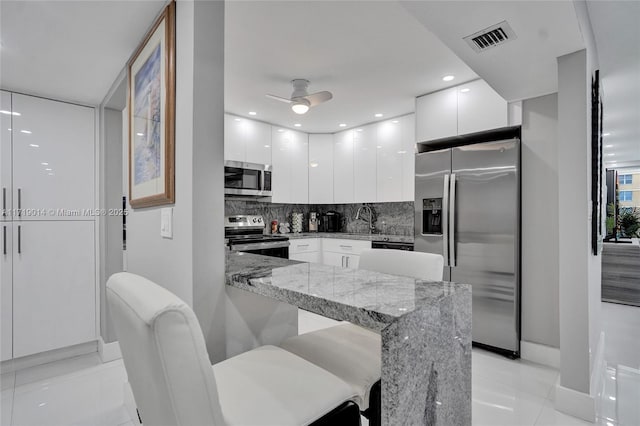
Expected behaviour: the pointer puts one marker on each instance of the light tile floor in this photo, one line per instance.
(83, 391)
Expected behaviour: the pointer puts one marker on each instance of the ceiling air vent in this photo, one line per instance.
(492, 36)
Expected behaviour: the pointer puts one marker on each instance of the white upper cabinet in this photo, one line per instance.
(320, 169)
(257, 142)
(480, 108)
(364, 164)
(343, 167)
(390, 153)
(234, 146)
(290, 175)
(5, 154)
(467, 108)
(53, 157)
(436, 115)
(246, 140)
(300, 168)
(408, 126)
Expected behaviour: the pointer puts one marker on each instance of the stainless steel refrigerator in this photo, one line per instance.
(468, 209)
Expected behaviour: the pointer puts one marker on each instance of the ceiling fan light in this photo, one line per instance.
(300, 106)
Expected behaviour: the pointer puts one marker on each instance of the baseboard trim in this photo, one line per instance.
(109, 351)
(16, 364)
(540, 354)
(574, 403)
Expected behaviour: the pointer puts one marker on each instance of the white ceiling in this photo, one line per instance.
(616, 26)
(373, 56)
(70, 50)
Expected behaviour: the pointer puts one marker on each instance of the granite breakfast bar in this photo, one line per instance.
(425, 328)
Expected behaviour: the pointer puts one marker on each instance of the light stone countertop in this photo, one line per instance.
(425, 328)
(348, 236)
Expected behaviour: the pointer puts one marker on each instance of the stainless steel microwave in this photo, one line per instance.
(247, 179)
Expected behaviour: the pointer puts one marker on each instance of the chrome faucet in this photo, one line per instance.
(369, 219)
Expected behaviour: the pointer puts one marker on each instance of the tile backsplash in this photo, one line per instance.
(390, 218)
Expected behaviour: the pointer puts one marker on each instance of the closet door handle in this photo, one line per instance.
(347, 261)
(4, 202)
(19, 239)
(19, 202)
(342, 262)
(4, 240)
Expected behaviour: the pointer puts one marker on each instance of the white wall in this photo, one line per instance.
(540, 221)
(191, 265)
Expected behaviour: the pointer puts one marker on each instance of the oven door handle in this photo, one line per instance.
(259, 246)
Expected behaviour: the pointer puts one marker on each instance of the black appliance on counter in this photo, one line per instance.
(393, 245)
(246, 233)
(330, 221)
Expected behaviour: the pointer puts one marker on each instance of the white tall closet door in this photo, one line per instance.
(6, 289)
(282, 142)
(257, 142)
(409, 157)
(53, 157)
(320, 169)
(300, 168)
(343, 167)
(234, 145)
(5, 155)
(54, 297)
(390, 154)
(364, 165)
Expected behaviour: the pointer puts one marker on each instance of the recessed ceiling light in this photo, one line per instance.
(379, 146)
(342, 125)
(139, 134)
(313, 164)
(378, 115)
(28, 132)
(297, 125)
(465, 90)
(252, 113)
(448, 78)
(45, 164)
(33, 145)
(606, 134)
(395, 121)
(267, 146)
(281, 130)
(608, 146)
(613, 398)
(48, 169)
(402, 152)
(237, 119)
(358, 130)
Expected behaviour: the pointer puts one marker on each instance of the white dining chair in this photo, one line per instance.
(174, 383)
(352, 352)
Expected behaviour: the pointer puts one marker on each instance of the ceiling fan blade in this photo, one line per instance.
(318, 98)
(278, 98)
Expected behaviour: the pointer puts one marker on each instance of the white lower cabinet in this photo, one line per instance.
(305, 250)
(54, 300)
(339, 252)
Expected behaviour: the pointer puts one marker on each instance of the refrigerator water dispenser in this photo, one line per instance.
(432, 216)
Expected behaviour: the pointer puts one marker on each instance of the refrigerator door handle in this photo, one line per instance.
(452, 220)
(445, 221)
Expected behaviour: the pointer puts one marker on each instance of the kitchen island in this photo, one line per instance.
(425, 328)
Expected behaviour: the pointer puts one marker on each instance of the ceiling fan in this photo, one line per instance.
(300, 100)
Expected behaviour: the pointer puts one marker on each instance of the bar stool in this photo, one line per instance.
(352, 352)
(174, 383)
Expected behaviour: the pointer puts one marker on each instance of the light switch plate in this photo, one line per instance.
(166, 222)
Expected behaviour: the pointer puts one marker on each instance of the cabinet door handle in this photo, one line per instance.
(4, 239)
(4, 202)
(342, 262)
(19, 239)
(347, 261)
(19, 202)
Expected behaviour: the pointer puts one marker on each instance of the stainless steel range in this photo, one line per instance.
(246, 233)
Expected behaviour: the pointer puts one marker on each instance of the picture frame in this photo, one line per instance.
(151, 110)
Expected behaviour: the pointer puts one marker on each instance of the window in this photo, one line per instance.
(625, 196)
(624, 179)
